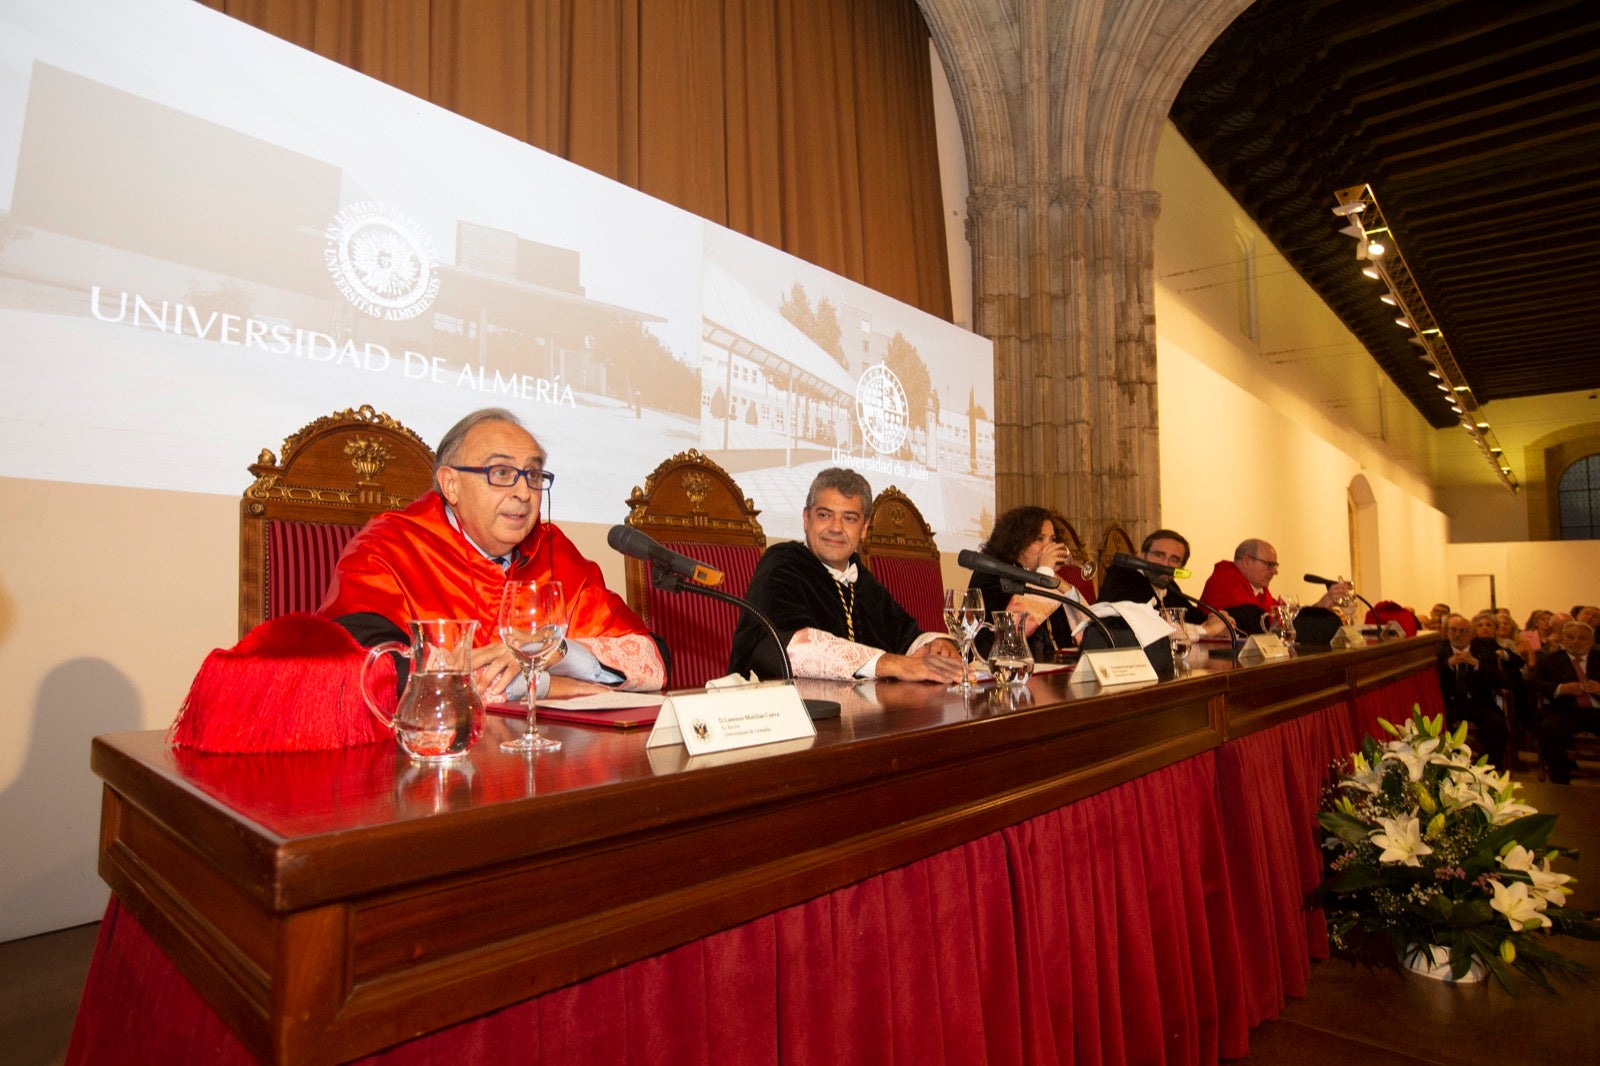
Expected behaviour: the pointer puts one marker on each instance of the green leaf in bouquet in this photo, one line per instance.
(1348, 829)
(1531, 831)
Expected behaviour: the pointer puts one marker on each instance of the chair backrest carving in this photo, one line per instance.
(899, 549)
(1116, 540)
(295, 518)
(693, 506)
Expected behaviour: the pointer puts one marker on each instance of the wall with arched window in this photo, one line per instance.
(1562, 467)
(1577, 502)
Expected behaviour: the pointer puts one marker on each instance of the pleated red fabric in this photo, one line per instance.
(917, 585)
(1394, 702)
(698, 629)
(1150, 923)
(301, 557)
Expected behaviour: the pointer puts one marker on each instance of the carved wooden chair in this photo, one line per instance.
(296, 518)
(899, 549)
(1087, 587)
(1116, 540)
(693, 506)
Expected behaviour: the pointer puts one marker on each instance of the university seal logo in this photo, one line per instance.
(881, 409)
(382, 261)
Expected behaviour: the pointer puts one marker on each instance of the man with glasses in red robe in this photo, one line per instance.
(451, 552)
(1244, 581)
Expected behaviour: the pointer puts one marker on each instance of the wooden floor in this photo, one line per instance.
(1352, 1013)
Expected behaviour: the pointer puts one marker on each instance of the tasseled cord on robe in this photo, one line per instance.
(292, 684)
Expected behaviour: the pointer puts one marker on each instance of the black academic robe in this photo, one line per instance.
(792, 587)
(1123, 584)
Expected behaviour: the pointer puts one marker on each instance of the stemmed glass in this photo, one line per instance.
(963, 617)
(533, 622)
(1085, 566)
(1288, 608)
(1179, 637)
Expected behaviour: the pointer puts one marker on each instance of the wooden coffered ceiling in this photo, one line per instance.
(1478, 127)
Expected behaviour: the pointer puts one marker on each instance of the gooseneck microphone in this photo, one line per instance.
(1019, 580)
(1329, 582)
(672, 572)
(641, 546)
(988, 564)
(1133, 562)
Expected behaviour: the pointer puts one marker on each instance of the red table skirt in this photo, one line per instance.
(1151, 923)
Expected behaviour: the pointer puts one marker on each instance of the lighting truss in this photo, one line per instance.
(1378, 249)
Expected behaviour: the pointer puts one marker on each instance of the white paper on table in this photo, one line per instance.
(1147, 625)
(610, 700)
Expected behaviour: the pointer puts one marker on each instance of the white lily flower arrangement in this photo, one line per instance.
(1430, 847)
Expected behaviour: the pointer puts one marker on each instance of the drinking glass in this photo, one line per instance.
(1346, 605)
(1287, 610)
(1085, 566)
(963, 618)
(533, 623)
(1180, 635)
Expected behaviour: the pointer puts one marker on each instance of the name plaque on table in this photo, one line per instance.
(1349, 637)
(1110, 667)
(727, 718)
(1264, 646)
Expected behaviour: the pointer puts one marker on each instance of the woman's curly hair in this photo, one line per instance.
(1016, 529)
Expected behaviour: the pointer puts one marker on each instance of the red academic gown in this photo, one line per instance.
(1228, 587)
(415, 564)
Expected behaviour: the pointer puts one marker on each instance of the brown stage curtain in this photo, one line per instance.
(807, 124)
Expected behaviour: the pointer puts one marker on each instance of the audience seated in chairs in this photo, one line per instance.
(1470, 678)
(1568, 679)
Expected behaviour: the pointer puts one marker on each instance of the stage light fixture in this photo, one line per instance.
(1362, 219)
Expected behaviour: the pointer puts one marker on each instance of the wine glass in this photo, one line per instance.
(1288, 608)
(963, 617)
(533, 623)
(1085, 565)
(1345, 603)
(1179, 636)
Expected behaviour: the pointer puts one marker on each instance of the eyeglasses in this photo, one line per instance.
(503, 477)
(1270, 564)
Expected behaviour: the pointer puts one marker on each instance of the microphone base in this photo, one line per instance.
(820, 709)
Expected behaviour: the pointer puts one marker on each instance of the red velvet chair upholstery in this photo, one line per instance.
(692, 505)
(1088, 587)
(297, 516)
(899, 549)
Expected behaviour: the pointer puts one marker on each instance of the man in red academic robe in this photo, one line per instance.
(1243, 582)
(450, 554)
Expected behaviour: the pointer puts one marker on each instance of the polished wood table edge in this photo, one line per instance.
(715, 848)
(288, 874)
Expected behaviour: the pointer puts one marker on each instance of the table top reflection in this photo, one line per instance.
(303, 819)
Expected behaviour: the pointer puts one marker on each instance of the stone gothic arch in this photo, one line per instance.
(1061, 104)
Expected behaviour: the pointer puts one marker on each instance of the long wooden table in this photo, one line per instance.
(323, 903)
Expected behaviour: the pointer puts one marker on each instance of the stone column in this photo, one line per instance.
(1063, 278)
(1061, 105)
